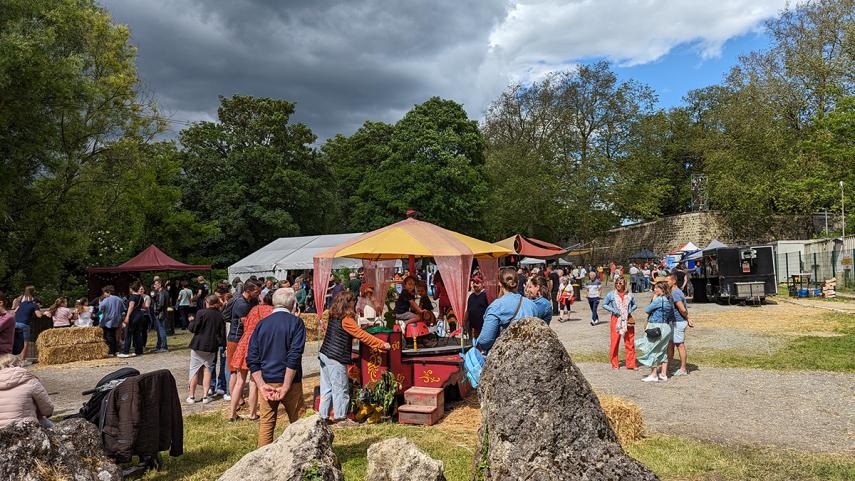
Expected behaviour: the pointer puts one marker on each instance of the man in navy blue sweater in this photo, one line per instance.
(274, 358)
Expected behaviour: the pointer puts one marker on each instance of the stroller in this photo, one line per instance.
(94, 410)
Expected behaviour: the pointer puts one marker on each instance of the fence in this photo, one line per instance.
(820, 265)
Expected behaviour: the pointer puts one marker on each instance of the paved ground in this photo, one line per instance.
(812, 411)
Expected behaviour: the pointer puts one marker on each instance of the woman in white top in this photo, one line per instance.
(84, 313)
(592, 289)
(365, 309)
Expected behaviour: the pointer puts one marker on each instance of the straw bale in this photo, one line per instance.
(624, 417)
(310, 320)
(85, 351)
(69, 336)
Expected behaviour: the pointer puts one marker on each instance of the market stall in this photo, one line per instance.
(435, 367)
(152, 259)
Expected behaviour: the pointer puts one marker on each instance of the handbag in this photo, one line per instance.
(473, 360)
(653, 332)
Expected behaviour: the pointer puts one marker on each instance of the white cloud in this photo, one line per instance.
(538, 33)
(345, 62)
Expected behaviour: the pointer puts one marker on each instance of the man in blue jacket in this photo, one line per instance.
(275, 358)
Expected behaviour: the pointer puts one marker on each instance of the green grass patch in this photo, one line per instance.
(799, 353)
(673, 457)
(212, 445)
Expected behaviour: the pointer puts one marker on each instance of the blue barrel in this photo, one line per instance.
(803, 292)
(817, 292)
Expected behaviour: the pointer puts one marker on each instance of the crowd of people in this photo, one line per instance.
(258, 365)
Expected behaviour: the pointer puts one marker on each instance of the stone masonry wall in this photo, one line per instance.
(667, 234)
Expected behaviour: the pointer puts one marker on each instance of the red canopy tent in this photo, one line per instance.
(531, 247)
(151, 259)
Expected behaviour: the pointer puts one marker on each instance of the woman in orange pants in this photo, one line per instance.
(620, 304)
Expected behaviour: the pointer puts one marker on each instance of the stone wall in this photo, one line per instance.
(667, 234)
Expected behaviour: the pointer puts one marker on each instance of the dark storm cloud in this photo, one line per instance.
(342, 62)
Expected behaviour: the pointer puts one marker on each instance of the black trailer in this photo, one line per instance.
(736, 274)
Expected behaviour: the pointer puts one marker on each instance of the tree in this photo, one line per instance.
(256, 177)
(430, 161)
(73, 122)
(581, 126)
(755, 122)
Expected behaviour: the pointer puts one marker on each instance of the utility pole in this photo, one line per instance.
(842, 211)
(826, 222)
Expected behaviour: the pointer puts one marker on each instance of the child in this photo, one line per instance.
(61, 314)
(209, 334)
(565, 298)
(425, 304)
(84, 313)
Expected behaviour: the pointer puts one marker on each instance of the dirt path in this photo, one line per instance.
(812, 411)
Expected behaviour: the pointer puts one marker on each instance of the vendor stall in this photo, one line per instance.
(152, 259)
(439, 366)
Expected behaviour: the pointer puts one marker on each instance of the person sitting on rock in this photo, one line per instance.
(22, 396)
(509, 307)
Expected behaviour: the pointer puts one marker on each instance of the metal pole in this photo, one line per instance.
(826, 222)
(842, 210)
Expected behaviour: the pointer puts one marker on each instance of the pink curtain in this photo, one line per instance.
(490, 269)
(376, 273)
(455, 275)
(320, 282)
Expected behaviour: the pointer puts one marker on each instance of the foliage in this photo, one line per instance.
(256, 176)
(74, 129)
(382, 393)
(574, 130)
(430, 161)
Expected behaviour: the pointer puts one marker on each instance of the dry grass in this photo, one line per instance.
(464, 415)
(777, 319)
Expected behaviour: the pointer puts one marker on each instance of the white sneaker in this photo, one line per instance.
(663, 378)
(207, 399)
(680, 372)
(220, 392)
(122, 354)
(651, 378)
(226, 397)
(190, 400)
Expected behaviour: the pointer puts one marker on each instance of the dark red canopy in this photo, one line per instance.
(531, 247)
(151, 259)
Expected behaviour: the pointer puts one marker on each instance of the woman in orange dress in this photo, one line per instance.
(238, 361)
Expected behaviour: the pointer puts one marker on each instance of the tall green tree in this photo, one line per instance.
(581, 126)
(74, 124)
(430, 161)
(255, 175)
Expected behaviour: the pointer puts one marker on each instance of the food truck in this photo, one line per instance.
(736, 275)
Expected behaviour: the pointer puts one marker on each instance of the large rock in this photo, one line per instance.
(540, 420)
(303, 451)
(397, 459)
(69, 450)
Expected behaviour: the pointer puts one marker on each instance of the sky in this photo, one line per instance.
(346, 62)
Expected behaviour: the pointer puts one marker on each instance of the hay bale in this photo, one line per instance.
(310, 320)
(624, 417)
(85, 351)
(69, 336)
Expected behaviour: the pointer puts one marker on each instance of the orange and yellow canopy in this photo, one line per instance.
(411, 237)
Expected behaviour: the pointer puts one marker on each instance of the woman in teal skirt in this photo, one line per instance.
(653, 352)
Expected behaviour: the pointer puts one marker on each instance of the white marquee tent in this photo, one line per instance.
(289, 254)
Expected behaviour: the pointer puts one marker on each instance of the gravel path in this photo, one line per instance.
(811, 411)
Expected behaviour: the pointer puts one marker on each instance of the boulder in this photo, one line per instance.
(303, 451)
(71, 450)
(397, 459)
(540, 420)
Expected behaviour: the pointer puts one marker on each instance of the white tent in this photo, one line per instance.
(531, 261)
(288, 254)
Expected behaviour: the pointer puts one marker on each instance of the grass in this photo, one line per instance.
(831, 352)
(212, 444)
